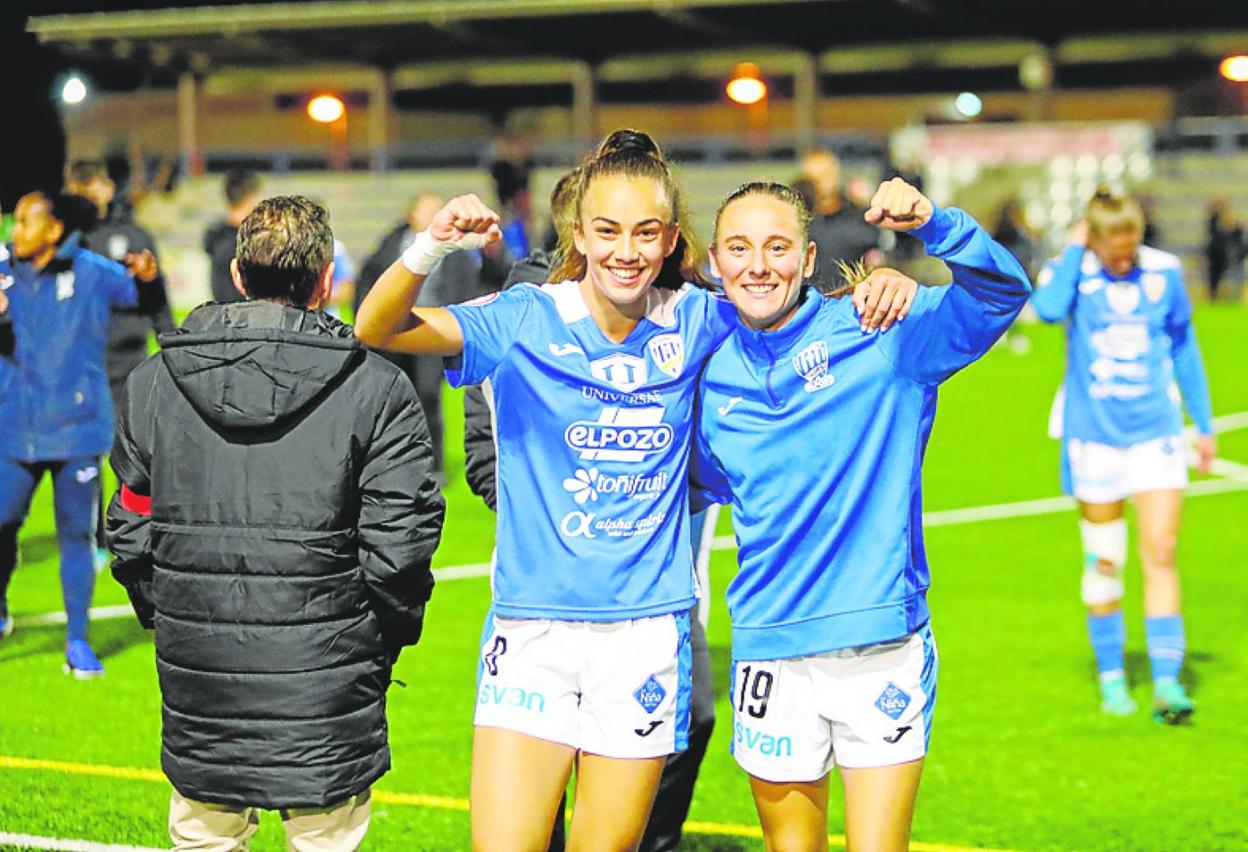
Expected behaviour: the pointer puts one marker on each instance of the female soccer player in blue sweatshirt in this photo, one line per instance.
(1130, 342)
(592, 381)
(815, 430)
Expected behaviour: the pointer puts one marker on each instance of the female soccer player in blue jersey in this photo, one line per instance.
(1129, 341)
(592, 381)
(834, 661)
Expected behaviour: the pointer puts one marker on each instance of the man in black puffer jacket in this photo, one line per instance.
(275, 523)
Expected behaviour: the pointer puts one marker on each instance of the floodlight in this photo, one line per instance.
(968, 104)
(1235, 68)
(326, 109)
(746, 87)
(74, 90)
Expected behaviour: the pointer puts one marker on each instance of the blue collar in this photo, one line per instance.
(769, 344)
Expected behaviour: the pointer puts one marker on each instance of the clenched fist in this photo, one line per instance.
(898, 206)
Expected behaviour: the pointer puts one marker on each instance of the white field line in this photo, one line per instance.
(1236, 479)
(31, 841)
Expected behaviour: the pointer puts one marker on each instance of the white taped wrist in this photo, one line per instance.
(424, 252)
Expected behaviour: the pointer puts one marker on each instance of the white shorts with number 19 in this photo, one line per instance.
(618, 688)
(793, 720)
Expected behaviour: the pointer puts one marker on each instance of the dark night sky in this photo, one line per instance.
(34, 143)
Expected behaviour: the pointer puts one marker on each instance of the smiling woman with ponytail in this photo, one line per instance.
(586, 655)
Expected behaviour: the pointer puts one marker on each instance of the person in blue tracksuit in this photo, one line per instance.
(1131, 350)
(586, 656)
(55, 299)
(834, 661)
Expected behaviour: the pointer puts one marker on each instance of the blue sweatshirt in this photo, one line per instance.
(1129, 341)
(815, 433)
(593, 447)
(54, 398)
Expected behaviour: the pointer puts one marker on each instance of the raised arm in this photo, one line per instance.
(1058, 283)
(388, 317)
(956, 324)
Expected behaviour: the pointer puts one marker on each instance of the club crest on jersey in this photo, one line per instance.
(667, 351)
(1123, 298)
(1154, 284)
(64, 285)
(650, 694)
(812, 365)
(118, 244)
(892, 702)
(622, 372)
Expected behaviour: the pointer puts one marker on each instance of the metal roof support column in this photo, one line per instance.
(188, 135)
(805, 100)
(380, 96)
(584, 104)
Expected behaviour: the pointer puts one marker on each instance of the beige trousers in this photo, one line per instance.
(222, 828)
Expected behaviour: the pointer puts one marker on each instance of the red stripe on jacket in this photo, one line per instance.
(137, 503)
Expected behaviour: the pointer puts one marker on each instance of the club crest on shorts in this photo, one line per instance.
(667, 351)
(650, 694)
(893, 701)
(812, 365)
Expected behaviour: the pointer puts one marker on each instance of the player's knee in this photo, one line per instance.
(73, 526)
(1158, 552)
(1104, 555)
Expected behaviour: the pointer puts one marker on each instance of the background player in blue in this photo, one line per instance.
(833, 658)
(592, 380)
(1129, 342)
(55, 302)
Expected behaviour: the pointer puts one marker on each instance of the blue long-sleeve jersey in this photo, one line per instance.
(593, 447)
(816, 431)
(1129, 341)
(54, 398)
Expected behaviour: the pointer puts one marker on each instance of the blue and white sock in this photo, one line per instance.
(1109, 635)
(1166, 645)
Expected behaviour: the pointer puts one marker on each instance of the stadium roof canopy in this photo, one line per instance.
(432, 43)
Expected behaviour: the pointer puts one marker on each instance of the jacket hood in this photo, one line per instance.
(256, 365)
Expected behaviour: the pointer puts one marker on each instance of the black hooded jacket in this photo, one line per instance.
(284, 556)
(115, 237)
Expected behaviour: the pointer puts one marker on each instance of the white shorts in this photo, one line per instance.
(793, 720)
(618, 688)
(1100, 473)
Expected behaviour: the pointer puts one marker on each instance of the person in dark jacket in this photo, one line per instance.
(117, 236)
(55, 302)
(1224, 250)
(457, 278)
(838, 227)
(275, 524)
(680, 772)
(242, 192)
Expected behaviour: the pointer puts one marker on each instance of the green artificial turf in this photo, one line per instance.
(1021, 758)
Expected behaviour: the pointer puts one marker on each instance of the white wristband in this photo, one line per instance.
(424, 252)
